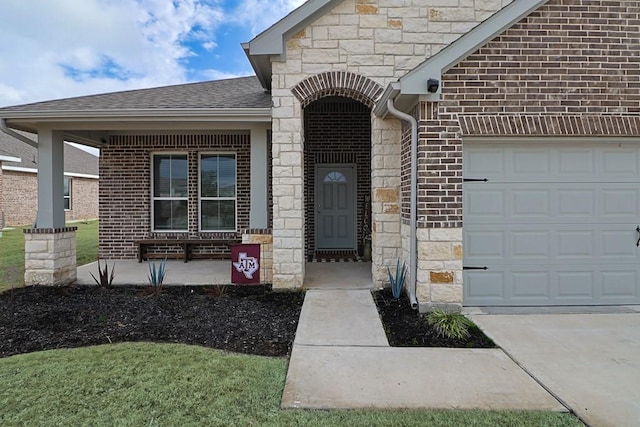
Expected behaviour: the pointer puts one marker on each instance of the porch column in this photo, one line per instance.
(50, 247)
(258, 215)
(50, 179)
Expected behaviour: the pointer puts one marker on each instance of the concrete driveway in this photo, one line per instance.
(590, 362)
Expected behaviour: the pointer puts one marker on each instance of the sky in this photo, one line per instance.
(52, 49)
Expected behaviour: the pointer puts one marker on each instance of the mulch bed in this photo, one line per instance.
(406, 328)
(244, 319)
(252, 320)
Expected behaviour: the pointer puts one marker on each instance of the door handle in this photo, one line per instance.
(638, 230)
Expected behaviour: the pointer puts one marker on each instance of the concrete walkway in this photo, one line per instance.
(589, 361)
(341, 359)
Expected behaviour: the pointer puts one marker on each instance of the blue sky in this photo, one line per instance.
(55, 49)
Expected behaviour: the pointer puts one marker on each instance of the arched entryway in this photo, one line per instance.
(337, 159)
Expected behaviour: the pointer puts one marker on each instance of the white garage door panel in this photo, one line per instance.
(554, 225)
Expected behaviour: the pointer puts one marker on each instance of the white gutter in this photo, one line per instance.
(10, 159)
(35, 171)
(16, 135)
(133, 114)
(413, 223)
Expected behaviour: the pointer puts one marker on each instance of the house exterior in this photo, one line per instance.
(493, 146)
(19, 183)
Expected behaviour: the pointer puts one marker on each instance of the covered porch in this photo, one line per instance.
(321, 275)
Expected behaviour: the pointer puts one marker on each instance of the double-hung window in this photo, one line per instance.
(67, 193)
(170, 197)
(217, 192)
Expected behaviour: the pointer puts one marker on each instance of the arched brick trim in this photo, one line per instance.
(338, 83)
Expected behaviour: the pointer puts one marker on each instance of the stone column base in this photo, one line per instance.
(50, 256)
(439, 283)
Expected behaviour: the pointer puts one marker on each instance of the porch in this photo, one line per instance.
(321, 275)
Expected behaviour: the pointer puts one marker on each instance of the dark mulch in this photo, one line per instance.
(251, 320)
(245, 319)
(406, 328)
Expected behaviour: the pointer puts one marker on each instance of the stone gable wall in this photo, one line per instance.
(377, 39)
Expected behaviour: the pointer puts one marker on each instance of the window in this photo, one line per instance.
(67, 194)
(170, 197)
(217, 192)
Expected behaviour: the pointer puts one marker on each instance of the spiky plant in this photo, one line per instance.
(156, 275)
(106, 279)
(397, 280)
(449, 325)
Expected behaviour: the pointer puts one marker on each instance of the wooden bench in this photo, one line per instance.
(186, 246)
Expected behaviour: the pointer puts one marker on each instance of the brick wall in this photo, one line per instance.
(125, 188)
(571, 68)
(573, 59)
(20, 198)
(20, 203)
(337, 130)
(84, 199)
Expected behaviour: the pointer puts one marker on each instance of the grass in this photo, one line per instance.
(12, 252)
(148, 384)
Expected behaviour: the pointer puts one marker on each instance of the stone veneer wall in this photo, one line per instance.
(265, 239)
(50, 256)
(376, 39)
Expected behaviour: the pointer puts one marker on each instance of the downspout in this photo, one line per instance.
(16, 135)
(413, 223)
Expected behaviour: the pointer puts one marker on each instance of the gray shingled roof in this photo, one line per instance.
(75, 160)
(243, 92)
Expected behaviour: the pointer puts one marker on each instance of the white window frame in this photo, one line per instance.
(201, 199)
(69, 196)
(153, 198)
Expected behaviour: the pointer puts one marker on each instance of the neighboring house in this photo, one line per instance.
(19, 182)
(493, 146)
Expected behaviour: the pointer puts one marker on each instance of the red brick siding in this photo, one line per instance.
(571, 68)
(570, 57)
(84, 199)
(125, 188)
(337, 130)
(20, 198)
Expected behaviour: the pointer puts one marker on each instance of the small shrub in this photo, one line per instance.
(449, 325)
(217, 291)
(397, 279)
(156, 276)
(106, 279)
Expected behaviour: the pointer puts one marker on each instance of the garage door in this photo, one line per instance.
(554, 224)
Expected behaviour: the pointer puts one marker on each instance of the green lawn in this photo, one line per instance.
(12, 251)
(143, 384)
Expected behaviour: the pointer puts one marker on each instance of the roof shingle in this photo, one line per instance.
(242, 92)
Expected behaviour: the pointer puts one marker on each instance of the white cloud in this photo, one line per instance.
(70, 47)
(258, 15)
(64, 48)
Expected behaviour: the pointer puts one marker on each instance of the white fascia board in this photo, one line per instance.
(35, 171)
(131, 115)
(272, 40)
(391, 92)
(10, 159)
(415, 81)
